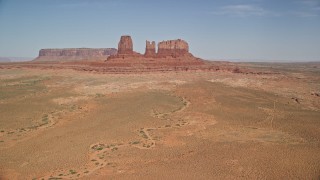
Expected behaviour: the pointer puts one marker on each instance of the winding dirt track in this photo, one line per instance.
(198, 125)
(99, 152)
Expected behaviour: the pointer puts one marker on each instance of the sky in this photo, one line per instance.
(284, 30)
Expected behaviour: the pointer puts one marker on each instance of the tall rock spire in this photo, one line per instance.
(150, 49)
(125, 45)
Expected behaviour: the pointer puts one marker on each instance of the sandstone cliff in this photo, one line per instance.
(125, 49)
(125, 45)
(150, 49)
(173, 48)
(74, 54)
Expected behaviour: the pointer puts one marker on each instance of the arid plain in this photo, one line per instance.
(62, 123)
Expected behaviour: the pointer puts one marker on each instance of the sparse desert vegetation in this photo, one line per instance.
(140, 89)
(69, 124)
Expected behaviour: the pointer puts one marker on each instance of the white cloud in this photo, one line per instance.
(88, 3)
(242, 10)
(305, 14)
(303, 8)
(311, 3)
(308, 8)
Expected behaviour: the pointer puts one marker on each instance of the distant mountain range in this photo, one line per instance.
(15, 59)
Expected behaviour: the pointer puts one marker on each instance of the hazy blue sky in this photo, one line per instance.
(215, 29)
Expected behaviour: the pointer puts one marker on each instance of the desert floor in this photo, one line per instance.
(177, 125)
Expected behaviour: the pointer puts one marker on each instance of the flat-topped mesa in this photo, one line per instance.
(75, 54)
(125, 45)
(78, 52)
(173, 48)
(150, 49)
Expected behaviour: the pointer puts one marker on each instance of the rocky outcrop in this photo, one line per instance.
(150, 49)
(125, 49)
(74, 54)
(125, 45)
(78, 52)
(173, 48)
(176, 51)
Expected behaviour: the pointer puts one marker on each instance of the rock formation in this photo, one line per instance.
(74, 54)
(169, 53)
(125, 45)
(150, 49)
(125, 49)
(173, 48)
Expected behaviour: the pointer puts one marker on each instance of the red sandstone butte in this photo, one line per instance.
(125, 45)
(172, 51)
(150, 49)
(173, 48)
(125, 49)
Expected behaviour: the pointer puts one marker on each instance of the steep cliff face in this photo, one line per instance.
(75, 54)
(125, 45)
(125, 49)
(150, 49)
(173, 48)
(175, 51)
(78, 52)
